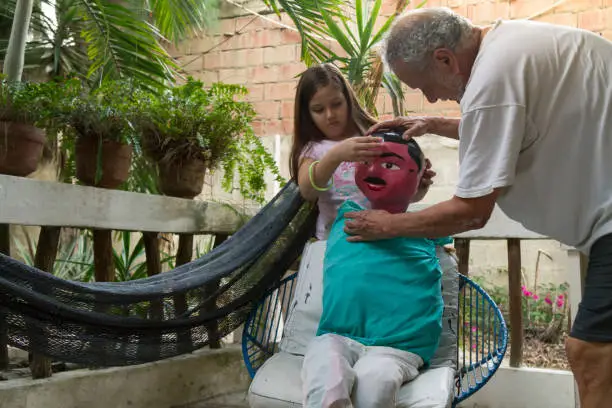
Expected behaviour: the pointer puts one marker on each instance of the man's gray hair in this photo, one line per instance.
(416, 34)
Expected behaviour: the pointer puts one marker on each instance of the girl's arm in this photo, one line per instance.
(321, 175)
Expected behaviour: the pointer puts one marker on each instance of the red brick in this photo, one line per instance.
(242, 58)
(578, 5)
(212, 60)
(381, 102)
(528, 8)
(284, 19)
(191, 63)
(252, 23)
(276, 127)
(233, 76)
(279, 91)
(260, 39)
(288, 126)
(203, 44)
(591, 20)
(488, 12)
(256, 93)
(280, 54)
(257, 126)
(262, 74)
(208, 77)
(606, 3)
(566, 19)
(413, 100)
(291, 71)
(287, 109)
(290, 36)
(267, 109)
(226, 26)
(608, 17)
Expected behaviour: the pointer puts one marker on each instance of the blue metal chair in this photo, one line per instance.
(482, 334)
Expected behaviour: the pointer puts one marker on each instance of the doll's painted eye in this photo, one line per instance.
(390, 166)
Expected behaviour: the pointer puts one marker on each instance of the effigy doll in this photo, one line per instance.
(382, 302)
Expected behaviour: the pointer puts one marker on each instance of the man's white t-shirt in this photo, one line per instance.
(537, 122)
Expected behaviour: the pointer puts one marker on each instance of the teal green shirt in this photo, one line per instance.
(383, 293)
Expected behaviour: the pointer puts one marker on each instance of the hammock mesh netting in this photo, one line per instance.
(173, 313)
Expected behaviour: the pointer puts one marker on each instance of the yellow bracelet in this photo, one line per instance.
(312, 183)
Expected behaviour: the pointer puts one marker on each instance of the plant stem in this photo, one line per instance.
(15, 54)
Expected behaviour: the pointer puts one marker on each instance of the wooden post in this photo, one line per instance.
(462, 245)
(103, 255)
(151, 244)
(5, 248)
(516, 299)
(183, 256)
(46, 252)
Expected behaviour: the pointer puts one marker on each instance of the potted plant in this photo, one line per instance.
(21, 141)
(103, 135)
(190, 129)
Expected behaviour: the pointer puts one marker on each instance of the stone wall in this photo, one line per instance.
(264, 55)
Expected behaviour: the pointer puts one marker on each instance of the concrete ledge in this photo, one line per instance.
(202, 375)
(525, 388)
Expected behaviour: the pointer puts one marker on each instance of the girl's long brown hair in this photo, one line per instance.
(304, 128)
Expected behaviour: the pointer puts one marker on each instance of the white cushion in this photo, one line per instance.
(278, 384)
(306, 305)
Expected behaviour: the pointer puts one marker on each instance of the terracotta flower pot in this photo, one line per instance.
(183, 179)
(115, 162)
(21, 147)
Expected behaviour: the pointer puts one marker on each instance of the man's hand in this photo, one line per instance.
(426, 182)
(369, 225)
(411, 126)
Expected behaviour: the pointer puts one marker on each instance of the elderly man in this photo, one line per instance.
(535, 137)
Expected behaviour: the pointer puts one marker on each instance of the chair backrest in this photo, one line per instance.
(305, 307)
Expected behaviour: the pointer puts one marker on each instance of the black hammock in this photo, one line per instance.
(173, 313)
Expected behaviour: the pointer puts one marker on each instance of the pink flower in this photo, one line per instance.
(474, 328)
(560, 303)
(536, 297)
(560, 297)
(473, 347)
(547, 300)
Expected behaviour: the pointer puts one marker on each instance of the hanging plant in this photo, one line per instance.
(191, 129)
(103, 135)
(21, 141)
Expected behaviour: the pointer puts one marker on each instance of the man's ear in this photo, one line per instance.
(447, 59)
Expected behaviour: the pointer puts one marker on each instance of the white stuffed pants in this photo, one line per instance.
(341, 373)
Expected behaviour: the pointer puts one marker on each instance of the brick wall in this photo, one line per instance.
(265, 57)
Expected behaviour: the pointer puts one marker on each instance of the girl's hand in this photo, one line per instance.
(357, 149)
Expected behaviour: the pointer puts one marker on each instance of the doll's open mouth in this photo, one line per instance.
(375, 183)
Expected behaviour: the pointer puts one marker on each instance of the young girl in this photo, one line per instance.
(327, 142)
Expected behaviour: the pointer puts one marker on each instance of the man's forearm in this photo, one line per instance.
(447, 127)
(440, 220)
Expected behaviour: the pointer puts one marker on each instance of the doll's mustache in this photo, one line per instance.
(375, 180)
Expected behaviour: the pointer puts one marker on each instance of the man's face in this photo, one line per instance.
(441, 82)
(390, 180)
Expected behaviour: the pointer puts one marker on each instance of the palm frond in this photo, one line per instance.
(120, 44)
(311, 24)
(178, 19)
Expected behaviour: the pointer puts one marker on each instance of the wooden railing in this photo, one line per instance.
(42, 203)
(53, 205)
